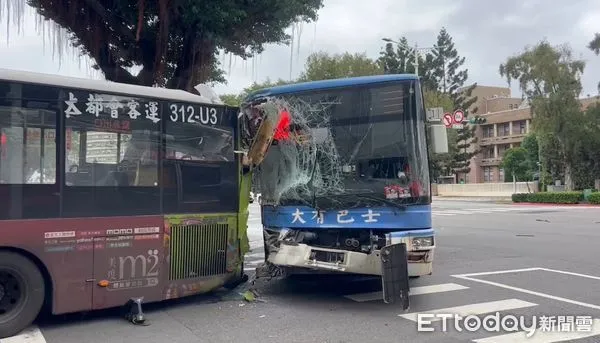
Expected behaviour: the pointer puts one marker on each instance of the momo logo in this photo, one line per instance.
(135, 267)
(112, 232)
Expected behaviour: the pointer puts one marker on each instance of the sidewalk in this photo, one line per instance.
(498, 199)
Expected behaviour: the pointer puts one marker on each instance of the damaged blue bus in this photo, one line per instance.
(342, 168)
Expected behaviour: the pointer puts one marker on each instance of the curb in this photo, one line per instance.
(556, 205)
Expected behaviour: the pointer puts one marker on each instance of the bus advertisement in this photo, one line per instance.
(345, 180)
(114, 193)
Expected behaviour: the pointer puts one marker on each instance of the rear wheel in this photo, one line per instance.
(21, 293)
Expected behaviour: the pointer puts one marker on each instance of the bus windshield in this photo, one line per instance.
(367, 145)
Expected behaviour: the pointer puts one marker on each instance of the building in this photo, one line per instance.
(508, 122)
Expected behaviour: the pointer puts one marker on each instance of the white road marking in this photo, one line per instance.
(542, 336)
(457, 212)
(523, 290)
(372, 296)
(473, 309)
(499, 272)
(571, 273)
(30, 335)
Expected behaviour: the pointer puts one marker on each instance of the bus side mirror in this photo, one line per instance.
(439, 139)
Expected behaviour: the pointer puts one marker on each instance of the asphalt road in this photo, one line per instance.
(552, 256)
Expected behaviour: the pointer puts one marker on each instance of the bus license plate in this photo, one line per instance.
(327, 256)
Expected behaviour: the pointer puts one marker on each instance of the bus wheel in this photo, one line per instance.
(22, 293)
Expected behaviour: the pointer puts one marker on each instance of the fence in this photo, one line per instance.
(501, 189)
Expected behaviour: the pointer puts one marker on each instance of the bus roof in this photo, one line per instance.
(102, 86)
(327, 84)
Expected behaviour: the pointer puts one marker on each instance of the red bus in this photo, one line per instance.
(113, 192)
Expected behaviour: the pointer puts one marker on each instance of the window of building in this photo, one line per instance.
(504, 129)
(502, 149)
(523, 127)
(112, 145)
(488, 152)
(488, 131)
(488, 174)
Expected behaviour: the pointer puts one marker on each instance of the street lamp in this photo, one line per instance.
(415, 51)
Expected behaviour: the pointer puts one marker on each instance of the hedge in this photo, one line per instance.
(552, 197)
(594, 198)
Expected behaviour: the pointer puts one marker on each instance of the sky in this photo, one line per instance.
(485, 32)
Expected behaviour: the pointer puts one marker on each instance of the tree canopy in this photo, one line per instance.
(237, 99)
(319, 66)
(173, 42)
(594, 44)
(323, 66)
(515, 164)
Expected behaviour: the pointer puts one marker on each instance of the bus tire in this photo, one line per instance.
(22, 291)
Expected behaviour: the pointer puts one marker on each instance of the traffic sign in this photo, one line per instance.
(447, 119)
(459, 116)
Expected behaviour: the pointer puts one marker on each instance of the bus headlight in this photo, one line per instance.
(422, 242)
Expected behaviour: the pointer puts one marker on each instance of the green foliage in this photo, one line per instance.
(323, 66)
(550, 78)
(594, 198)
(549, 197)
(174, 42)
(515, 164)
(319, 66)
(441, 71)
(594, 44)
(237, 99)
(530, 144)
(445, 68)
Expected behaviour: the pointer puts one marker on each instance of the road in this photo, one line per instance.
(551, 254)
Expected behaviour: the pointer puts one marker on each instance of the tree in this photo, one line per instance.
(515, 164)
(174, 42)
(323, 66)
(594, 44)
(237, 99)
(530, 144)
(319, 66)
(550, 79)
(448, 77)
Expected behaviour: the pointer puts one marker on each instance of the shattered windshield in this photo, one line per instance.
(348, 147)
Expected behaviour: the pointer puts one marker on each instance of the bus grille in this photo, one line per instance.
(198, 250)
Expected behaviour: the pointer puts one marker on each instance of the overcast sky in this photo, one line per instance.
(484, 31)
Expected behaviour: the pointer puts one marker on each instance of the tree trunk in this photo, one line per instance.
(514, 183)
(569, 183)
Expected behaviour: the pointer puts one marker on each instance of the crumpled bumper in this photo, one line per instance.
(420, 262)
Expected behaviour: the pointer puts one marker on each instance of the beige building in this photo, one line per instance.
(508, 122)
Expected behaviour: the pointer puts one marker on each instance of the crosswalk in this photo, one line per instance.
(504, 307)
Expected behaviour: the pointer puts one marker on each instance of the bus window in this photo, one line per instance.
(112, 149)
(200, 146)
(28, 151)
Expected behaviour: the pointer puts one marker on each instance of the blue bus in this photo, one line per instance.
(343, 172)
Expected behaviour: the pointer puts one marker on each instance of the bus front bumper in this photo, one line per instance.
(420, 262)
